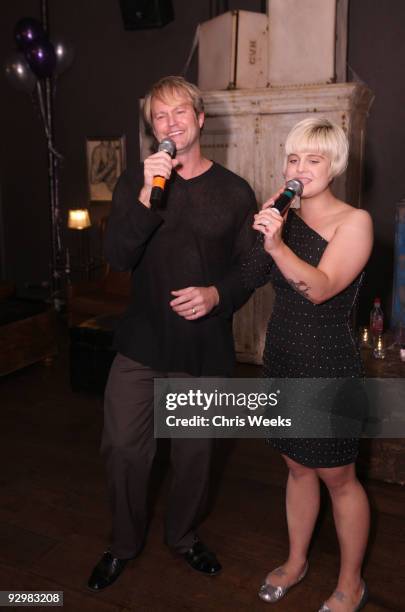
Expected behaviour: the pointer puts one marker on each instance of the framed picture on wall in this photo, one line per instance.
(105, 162)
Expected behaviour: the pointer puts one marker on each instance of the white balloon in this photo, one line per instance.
(18, 72)
(64, 55)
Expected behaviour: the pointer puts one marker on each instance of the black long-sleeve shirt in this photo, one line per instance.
(198, 239)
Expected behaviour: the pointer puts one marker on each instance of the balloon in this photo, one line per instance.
(27, 31)
(19, 74)
(41, 57)
(64, 55)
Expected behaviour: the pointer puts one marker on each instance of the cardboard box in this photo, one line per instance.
(232, 51)
(307, 42)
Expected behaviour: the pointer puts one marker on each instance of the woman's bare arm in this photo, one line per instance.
(343, 259)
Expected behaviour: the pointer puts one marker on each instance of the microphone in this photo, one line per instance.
(168, 146)
(293, 188)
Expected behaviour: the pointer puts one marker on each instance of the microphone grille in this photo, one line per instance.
(168, 146)
(296, 186)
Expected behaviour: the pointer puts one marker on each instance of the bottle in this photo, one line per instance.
(376, 319)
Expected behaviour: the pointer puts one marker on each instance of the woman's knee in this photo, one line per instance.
(338, 479)
(296, 470)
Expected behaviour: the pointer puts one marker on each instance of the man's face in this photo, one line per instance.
(176, 119)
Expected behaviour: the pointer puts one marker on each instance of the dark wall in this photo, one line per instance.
(97, 96)
(377, 57)
(113, 68)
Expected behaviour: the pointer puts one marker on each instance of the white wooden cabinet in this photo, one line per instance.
(245, 130)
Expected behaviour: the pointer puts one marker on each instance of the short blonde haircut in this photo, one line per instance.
(172, 87)
(322, 136)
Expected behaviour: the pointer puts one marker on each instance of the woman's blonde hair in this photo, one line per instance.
(172, 87)
(322, 136)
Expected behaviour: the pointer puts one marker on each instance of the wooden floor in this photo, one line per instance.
(54, 517)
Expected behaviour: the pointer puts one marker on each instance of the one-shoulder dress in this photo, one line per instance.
(306, 340)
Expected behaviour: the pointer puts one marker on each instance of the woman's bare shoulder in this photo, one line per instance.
(352, 216)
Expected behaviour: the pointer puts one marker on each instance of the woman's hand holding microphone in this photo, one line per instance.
(269, 222)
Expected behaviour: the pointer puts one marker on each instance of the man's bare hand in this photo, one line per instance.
(193, 303)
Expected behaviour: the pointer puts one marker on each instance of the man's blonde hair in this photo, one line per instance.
(322, 136)
(172, 87)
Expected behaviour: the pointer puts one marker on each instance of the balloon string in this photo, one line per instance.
(45, 123)
(58, 157)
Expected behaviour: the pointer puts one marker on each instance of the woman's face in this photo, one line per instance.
(312, 169)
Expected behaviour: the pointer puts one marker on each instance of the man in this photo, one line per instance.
(184, 259)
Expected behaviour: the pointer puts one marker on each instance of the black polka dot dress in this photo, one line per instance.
(306, 340)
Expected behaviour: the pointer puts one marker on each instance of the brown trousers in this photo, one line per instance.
(128, 446)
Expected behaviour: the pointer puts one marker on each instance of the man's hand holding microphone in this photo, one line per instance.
(157, 170)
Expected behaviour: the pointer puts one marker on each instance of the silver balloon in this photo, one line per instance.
(64, 55)
(19, 74)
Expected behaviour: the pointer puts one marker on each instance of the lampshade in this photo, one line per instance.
(79, 218)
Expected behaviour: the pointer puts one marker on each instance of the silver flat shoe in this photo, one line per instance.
(271, 594)
(360, 606)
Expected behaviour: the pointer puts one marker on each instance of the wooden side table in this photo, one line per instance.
(27, 334)
(6, 290)
(383, 458)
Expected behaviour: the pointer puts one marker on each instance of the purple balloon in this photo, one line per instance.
(19, 74)
(28, 31)
(41, 57)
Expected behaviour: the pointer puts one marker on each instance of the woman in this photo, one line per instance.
(315, 259)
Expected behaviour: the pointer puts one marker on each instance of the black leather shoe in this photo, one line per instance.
(202, 559)
(106, 571)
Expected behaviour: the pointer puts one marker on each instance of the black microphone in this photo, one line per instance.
(168, 146)
(293, 188)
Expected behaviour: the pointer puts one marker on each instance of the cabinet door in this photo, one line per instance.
(230, 141)
(236, 142)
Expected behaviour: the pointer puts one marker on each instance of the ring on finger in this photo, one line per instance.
(193, 310)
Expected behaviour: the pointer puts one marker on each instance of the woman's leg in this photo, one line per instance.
(302, 506)
(352, 518)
